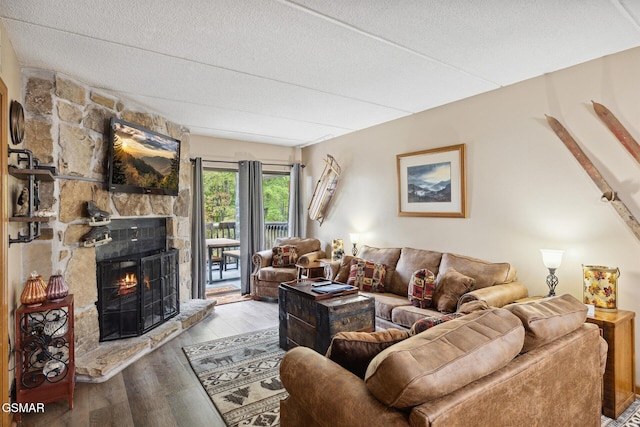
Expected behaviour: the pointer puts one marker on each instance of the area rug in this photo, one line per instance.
(241, 376)
(230, 298)
(222, 290)
(629, 418)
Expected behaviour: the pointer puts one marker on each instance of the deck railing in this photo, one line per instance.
(273, 230)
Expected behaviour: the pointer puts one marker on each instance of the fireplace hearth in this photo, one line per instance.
(138, 282)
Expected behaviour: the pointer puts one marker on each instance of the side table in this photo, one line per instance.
(619, 378)
(310, 270)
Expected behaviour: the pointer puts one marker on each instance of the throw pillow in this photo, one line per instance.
(431, 321)
(421, 287)
(366, 275)
(284, 256)
(451, 286)
(354, 350)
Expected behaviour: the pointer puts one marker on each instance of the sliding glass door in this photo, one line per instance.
(222, 214)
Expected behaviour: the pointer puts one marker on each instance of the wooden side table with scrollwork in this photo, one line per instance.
(45, 366)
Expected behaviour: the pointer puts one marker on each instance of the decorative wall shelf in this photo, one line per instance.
(33, 175)
(44, 175)
(30, 219)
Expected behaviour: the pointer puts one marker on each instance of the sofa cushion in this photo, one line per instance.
(366, 275)
(429, 322)
(546, 319)
(284, 256)
(354, 350)
(410, 261)
(271, 274)
(407, 315)
(421, 287)
(385, 303)
(451, 286)
(486, 273)
(443, 359)
(387, 256)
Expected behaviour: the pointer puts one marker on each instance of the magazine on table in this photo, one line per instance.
(332, 288)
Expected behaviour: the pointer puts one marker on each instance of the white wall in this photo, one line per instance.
(525, 190)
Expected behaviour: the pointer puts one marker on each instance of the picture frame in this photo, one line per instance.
(432, 183)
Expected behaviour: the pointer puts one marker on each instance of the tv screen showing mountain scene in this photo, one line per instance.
(142, 160)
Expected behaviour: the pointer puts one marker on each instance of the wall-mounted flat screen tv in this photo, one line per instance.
(142, 161)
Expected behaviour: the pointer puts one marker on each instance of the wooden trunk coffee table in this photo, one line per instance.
(311, 320)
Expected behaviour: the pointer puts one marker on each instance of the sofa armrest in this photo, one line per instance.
(262, 259)
(342, 400)
(497, 295)
(311, 257)
(331, 269)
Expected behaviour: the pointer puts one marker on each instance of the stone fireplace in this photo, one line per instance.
(66, 124)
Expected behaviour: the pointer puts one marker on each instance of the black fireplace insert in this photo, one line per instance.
(138, 280)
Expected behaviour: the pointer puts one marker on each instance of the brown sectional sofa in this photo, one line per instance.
(495, 283)
(531, 364)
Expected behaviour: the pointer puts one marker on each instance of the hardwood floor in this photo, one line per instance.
(160, 389)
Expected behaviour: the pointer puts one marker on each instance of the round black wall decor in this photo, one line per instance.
(16, 122)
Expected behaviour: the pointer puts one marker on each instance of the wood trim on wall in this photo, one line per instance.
(5, 417)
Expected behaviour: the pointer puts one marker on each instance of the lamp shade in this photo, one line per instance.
(551, 258)
(354, 237)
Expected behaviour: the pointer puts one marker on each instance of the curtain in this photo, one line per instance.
(296, 212)
(251, 218)
(198, 243)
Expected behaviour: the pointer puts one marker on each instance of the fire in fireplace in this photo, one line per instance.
(127, 284)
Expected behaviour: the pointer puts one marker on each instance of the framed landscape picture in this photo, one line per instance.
(432, 182)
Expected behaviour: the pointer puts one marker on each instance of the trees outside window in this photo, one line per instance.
(220, 196)
(275, 192)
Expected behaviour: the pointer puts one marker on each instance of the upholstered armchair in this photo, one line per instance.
(274, 266)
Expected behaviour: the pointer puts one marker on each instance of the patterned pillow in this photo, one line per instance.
(421, 287)
(284, 256)
(431, 321)
(366, 275)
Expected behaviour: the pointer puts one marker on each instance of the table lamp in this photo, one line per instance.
(354, 240)
(551, 259)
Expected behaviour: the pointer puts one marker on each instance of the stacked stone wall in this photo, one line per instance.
(67, 126)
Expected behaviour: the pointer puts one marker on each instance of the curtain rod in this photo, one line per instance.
(235, 163)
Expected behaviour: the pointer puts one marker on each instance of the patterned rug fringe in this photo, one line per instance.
(629, 418)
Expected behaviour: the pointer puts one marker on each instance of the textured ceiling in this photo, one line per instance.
(298, 72)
